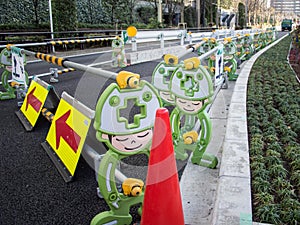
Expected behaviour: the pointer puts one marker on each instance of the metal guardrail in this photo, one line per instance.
(80, 34)
(146, 36)
(220, 34)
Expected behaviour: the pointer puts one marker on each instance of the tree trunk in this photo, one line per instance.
(35, 6)
(202, 13)
(182, 12)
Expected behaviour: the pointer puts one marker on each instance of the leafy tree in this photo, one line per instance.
(35, 4)
(145, 13)
(172, 7)
(242, 19)
(210, 13)
(189, 16)
(202, 13)
(24, 12)
(64, 15)
(226, 4)
(90, 11)
(120, 11)
(153, 4)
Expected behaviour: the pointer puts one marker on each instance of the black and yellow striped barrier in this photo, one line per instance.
(89, 40)
(47, 114)
(70, 66)
(67, 70)
(50, 58)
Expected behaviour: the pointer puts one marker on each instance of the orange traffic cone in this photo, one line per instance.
(162, 201)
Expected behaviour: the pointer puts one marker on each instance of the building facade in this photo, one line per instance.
(286, 6)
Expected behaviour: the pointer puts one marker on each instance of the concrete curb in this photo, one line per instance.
(233, 198)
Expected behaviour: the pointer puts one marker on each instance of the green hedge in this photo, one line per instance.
(273, 108)
(19, 27)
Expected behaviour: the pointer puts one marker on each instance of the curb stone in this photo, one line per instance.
(233, 196)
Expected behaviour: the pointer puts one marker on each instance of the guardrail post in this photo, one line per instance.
(218, 35)
(182, 38)
(162, 41)
(190, 38)
(232, 33)
(134, 46)
(49, 48)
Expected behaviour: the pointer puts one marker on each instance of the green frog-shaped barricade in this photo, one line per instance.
(209, 44)
(161, 78)
(240, 51)
(6, 63)
(271, 35)
(257, 42)
(248, 46)
(244, 47)
(191, 126)
(263, 38)
(124, 119)
(118, 53)
(230, 63)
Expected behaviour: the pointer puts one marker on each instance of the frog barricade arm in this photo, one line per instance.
(175, 124)
(106, 178)
(206, 128)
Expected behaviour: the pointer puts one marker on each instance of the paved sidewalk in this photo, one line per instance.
(223, 196)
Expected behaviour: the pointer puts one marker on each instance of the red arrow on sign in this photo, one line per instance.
(63, 130)
(33, 101)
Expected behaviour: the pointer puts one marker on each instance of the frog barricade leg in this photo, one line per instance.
(114, 61)
(121, 59)
(10, 89)
(199, 156)
(118, 203)
(180, 150)
(108, 217)
(249, 51)
(179, 147)
(231, 74)
(118, 59)
(197, 148)
(203, 158)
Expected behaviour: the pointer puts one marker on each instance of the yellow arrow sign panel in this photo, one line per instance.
(68, 131)
(34, 100)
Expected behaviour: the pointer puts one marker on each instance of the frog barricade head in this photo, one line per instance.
(6, 57)
(170, 59)
(229, 46)
(213, 42)
(191, 63)
(117, 43)
(269, 34)
(161, 76)
(239, 41)
(125, 112)
(262, 35)
(128, 80)
(205, 47)
(248, 38)
(209, 44)
(192, 84)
